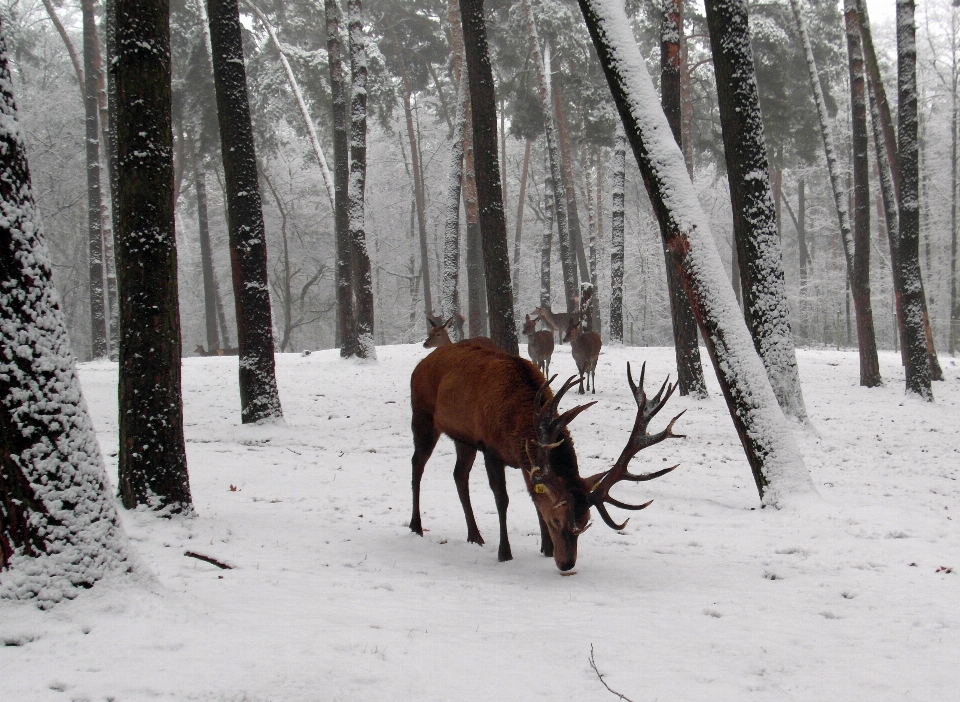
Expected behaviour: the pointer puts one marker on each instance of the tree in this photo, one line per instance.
(450, 276)
(493, 226)
(616, 239)
(259, 398)
(777, 467)
(754, 216)
(59, 531)
(152, 459)
(687, 349)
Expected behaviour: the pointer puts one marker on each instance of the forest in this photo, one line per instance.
(247, 246)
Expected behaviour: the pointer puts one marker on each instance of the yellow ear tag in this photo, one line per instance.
(539, 488)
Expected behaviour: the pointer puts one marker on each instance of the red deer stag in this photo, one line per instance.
(539, 344)
(585, 347)
(500, 405)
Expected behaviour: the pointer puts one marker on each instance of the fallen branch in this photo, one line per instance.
(223, 566)
(593, 664)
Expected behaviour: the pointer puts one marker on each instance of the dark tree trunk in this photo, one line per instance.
(754, 217)
(581, 272)
(918, 368)
(152, 459)
(687, 349)
(362, 275)
(420, 200)
(98, 320)
(493, 228)
(206, 258)
(346, 319)
(476, 288)
(766, 437)
(54, 495)
(616, 238)
(802, 236)
(858, 260)
(259, 398)
(525, 171)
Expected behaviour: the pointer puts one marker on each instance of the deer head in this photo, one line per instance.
(439, 334)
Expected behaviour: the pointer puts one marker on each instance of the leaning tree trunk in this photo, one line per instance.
(616, 237)
(259, 398)
(98, 319)
(346, 316)
(553, 152)
(766, 436)
(908, 244)
(493, 226)
(856, 248)
(152, 460)
(687, 349)
(754, 216)
(59, 532)
(362, 275)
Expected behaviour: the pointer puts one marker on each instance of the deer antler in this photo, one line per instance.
(639, 440)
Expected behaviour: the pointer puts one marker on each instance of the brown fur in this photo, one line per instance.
(485, 400)
(557, 321)
(585, 347)
(539, 345)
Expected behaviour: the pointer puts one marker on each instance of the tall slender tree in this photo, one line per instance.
(616, 237)
(493, 226)
(754, 215)
(152, 458)
(59, 531)
(259, 398)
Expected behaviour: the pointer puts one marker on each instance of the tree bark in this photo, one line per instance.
(686, 347)
(493, 229)
(616, 237)
(754, 217)
(259, 398)
(346, 316)
(766, 437)
(362, 275)
(450, 278)
(206, 257)
(419, 199)
(476, 285)
(579, 258)
(545, 239)
(518, 232)
(59, 531)
(152, 459)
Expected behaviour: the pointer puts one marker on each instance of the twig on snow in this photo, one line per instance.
(593, 664)
(212, 561)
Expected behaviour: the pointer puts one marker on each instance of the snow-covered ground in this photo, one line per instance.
(704, 596)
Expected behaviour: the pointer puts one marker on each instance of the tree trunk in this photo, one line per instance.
(493, 228)
(346, 317)
(545, 240)
(59, 531)
(553, 151)
(476, 288)
(686, 347)
(419, 199)
(754, 218)
(767, 438)
(450, 278)
(954, 114)
(362, 275)
(152, 460)
(858, 259)
(259, 398)
(616, 237)
(918, 369)
(206, 257)
(579, 257)
(98, 321)
(525, 171)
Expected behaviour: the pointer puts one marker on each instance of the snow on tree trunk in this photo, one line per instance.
(908, 243)
(617, 238)
(476, 288)
(545, 240)
(259, 398)
(754, 216)
(59, 531)
(542, 65)
(518, 232)
(362, 275)
(857, 251)
(686, 346)
(450, 278)
(766, 436)
(152, 458)
(493, 228)
(346, 317)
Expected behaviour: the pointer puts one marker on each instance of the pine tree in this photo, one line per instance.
(259, 398)
(152, 460)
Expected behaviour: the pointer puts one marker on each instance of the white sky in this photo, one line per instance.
(881, 11)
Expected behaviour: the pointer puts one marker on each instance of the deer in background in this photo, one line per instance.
(440, 336)
(499, 404)
(200, 351)
(539, 344)
(557, 321)
(585, 347)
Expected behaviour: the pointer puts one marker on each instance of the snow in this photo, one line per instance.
(704, 596)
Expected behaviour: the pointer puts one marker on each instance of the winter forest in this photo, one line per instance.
(261, 259)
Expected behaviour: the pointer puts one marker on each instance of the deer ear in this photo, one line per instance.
(448, 323)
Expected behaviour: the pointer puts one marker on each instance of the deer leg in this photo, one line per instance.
(546, 542)
(461, 475)
(425, 438)
(582, 372)
(498, 483)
